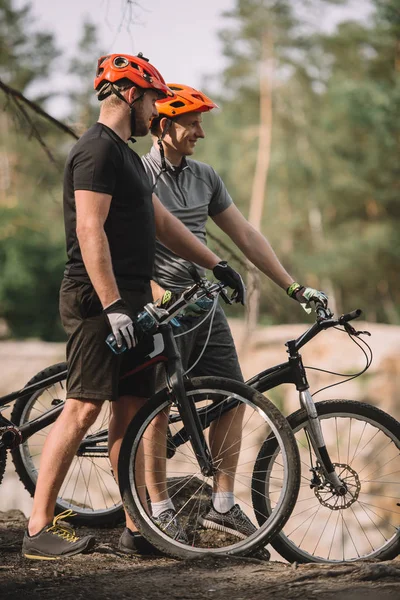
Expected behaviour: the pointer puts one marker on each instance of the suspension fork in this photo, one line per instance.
(299, 378)
(318, 442)
(186, 408)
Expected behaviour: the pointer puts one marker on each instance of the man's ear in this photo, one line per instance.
(165, 125)
(133, 93)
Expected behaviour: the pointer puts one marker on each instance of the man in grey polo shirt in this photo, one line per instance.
(193, 191)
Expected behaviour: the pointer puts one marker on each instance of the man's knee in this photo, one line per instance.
(84, 412)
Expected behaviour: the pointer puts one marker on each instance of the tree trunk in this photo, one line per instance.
(261, 172)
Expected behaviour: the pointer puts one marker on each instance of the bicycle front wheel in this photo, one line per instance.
(155, 464)
(89, 488)
(363, 443)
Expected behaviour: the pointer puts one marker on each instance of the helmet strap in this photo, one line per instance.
(116, 91)
(161, 147)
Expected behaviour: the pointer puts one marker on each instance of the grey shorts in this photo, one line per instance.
(219, 357)
(93, 369)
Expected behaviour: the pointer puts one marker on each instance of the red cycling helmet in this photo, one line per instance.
(186, 99)
(113, 67)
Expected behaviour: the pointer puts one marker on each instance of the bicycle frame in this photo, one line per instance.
(292, 371)
(96, 444)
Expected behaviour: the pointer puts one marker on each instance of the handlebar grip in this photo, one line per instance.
(354, 314)
(225, 297)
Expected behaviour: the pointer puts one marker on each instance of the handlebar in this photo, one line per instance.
(324, 321)
(152, 316)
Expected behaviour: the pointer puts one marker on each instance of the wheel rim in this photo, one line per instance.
(364, 522)
(89, 488)
(191, 491)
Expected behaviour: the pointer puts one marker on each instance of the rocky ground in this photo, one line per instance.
(108, 574)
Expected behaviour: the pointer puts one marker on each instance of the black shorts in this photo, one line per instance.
(218, 353)
(93, 369)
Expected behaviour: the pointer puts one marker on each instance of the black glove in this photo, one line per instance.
(121, 323)
(228, 276)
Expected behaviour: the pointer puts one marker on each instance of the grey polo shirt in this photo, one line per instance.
(191, 192)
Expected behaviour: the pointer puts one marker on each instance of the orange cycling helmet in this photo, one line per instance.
(113, 67)
(186, 99)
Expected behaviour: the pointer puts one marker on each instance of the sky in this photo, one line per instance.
(179, 37)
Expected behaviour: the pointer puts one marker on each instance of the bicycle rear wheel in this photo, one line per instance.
(89, 489)
(363, 443)
(221, 404)
(3, 460)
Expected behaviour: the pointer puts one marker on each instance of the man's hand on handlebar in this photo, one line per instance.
(306, 295)
(228, 276)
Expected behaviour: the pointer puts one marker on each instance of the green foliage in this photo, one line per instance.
(25, 55)
(32, 253)
(331, 209)
(85, 106)
(31, 266)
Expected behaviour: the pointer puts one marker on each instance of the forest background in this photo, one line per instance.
(330, 206)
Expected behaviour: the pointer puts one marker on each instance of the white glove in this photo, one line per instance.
(306, 295)
(121, 324)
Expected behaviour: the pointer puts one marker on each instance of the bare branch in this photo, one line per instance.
(16, 95)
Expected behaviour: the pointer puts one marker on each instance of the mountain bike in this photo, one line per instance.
(348, 506)
(192, 460)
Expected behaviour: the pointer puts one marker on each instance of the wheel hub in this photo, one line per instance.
(331, 498)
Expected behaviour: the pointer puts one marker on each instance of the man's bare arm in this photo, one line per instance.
(253, 245)
(91, 213)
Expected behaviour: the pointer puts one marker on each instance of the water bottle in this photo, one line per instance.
(111, 341)
(144, 322)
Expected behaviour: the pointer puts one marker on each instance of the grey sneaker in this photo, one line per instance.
(234, 522)
(135, 544)
(56, 541)
(168, 522)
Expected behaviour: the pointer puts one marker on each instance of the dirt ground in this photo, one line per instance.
(108, 574)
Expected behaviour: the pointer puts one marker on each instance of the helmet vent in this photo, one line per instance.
(120, 62)
(175, 87)
(177, 103)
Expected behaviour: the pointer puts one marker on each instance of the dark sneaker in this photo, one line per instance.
(234, 522)
(56, 541)
(168, 522)
(135, 544)
(261, 554)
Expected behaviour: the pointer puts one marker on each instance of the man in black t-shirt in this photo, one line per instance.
(111, 220)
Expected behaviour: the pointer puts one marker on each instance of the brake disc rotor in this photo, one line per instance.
(327, 494)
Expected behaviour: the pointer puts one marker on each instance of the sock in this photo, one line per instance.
(158, 507)
(223, 501)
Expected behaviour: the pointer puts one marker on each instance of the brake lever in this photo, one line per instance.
(225, 297)
(351, 331)
(322, 312)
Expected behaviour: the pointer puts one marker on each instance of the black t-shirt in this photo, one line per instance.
(102, 162)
